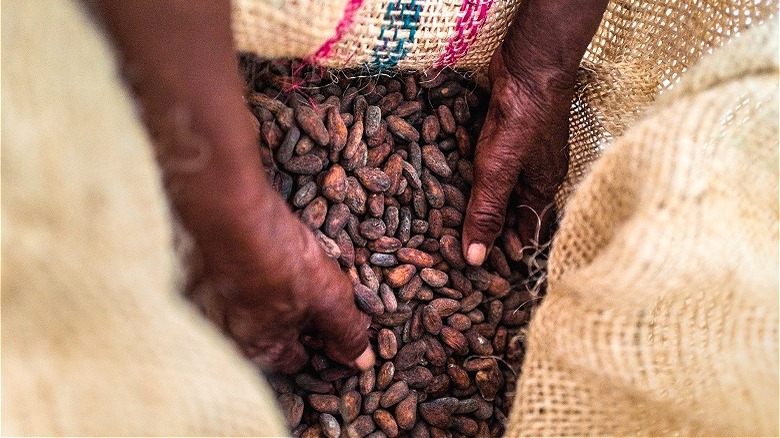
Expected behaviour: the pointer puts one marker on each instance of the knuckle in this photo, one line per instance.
(487, 221)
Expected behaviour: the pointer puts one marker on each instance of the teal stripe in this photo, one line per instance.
(401, 19)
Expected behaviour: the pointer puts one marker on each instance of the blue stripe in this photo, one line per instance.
(401, 20)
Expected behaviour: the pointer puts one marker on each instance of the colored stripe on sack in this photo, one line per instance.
(399, 26)
(343, 25)
(472, 17)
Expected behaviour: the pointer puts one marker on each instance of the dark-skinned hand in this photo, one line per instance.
(523, 142)
(264, 279)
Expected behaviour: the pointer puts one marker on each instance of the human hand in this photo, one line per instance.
(265, 281)
(263, 278)
(523, 143)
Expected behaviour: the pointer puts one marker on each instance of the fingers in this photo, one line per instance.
(496, 169)
(342, 327)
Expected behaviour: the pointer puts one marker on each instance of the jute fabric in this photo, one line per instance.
(661, 316)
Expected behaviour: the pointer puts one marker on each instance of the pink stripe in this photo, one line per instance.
(466, 31)
(343, 26)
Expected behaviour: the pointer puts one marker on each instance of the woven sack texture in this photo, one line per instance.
(662, 311)
(375, 35)
(96, 339)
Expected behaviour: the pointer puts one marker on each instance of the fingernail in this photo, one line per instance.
(365, 360)
(475, 255)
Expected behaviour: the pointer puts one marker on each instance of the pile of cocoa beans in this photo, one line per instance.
(380, 169)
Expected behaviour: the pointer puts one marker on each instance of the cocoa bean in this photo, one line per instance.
(401, 128)
(435, 161)
(406, 412)
(292, 407)
(387, 344)
(438, 412)
(304, 165)
(394, 394)
(368, 300)
(336, 220)
(454, 339)
(350, 404)
(385, 375)
(310, 122)
(373, 179)
(328, 404)
(386, 422)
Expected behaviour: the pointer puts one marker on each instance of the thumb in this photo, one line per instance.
(497, 165)
(342, 327)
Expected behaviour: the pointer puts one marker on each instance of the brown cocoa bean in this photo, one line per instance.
(367, 380)
(387, 344)
(431, 320)
(383, 260)
(489, 381)
(373, 117)
(430, 129)
(435, 353)
(406, 411)
(434, 277)
(438, 412)
(384, 244)
(459, 322)
(368, 300)
(455, 340)
(450, 249)
(394, 394)
(304, 165)
(446, 119)
(334, 184)
(385, 375)
(512, 244)
(461, 111)
(292, 407)
(417, 377)
(435, 161)
(271, 135)
(310, 122)
(350, 404)
(401, 128)
(388, 298)
(415, 257)
(354, 138)
(330, 427)
(386, 422)
(478, 344)
(323, 403)
(355, 197)
(337, 130)
(371, 401)
(362, 426)
(373, 179)
(336, 220)
(372, 228)
(305, 194)
(400, 275)
(409, 355)
(287, 146)
(314, 213)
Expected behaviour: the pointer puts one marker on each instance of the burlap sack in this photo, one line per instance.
(96, 339)
(662, 311)
(375, 35)
(662, 314)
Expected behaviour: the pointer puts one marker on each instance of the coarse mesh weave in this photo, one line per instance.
(662, 311)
